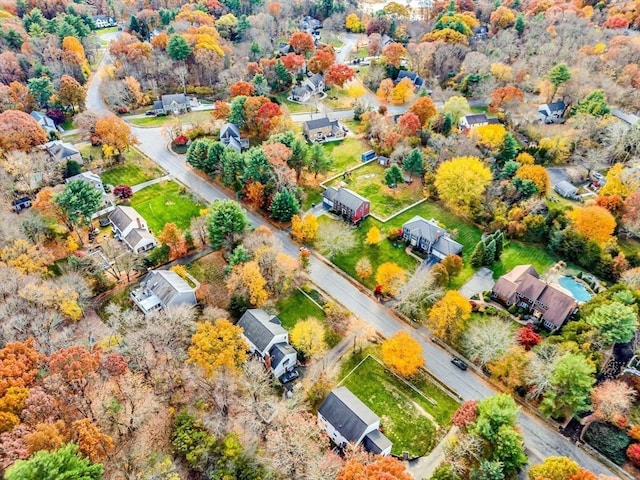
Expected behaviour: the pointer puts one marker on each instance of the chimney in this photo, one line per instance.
(139, 222)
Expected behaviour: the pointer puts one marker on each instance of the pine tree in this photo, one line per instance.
(477, 257)
(489, 253)
(447, 124)
(499, 239)
(393, 176)
(282, 74)
(508, 151)
(134, 25)
(284, 206)
(519, 25)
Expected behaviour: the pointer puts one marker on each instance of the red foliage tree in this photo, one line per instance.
(292, 62)
(503, 95)
(123, 192)
(268, 116)
(613, 203)
(528, 338)
(20, 131)
(322, 60)
(73, 364)
(241, 88)
(302, 43)
(633, 454)
(339, 74)
(617, 21)
(409, 124)
(466, 414)
(115, 364)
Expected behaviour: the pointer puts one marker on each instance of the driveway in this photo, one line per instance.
(481, 281)
(557, 175)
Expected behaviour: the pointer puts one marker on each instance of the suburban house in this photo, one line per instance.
(344, 202)
(567, 190)
(476, 120)
(60, 151)
(162, 289)
(268, 340)
(130, 227)
(430, 238)
(523, 288)
(45, 121)
(230, 137)
(417, 81)
(283, 48)
(349, 421)
(552, 112)
(311, 26)
(21, 204)
(323, 130)
(311, 86)
(91, 178)
(176, 104)
(103, 21)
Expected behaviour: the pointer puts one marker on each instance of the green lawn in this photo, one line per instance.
(292, 106)
(312, 195)
(345, 153)
(295, 307)
(368, 181)
(191, 117)
(164, 203)
(136, 169)
(629, 246)
(332, 40)
(402, 410)
(517, 253)
(337, 99)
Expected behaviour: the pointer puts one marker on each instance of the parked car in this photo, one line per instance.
(150, 113)
(459, 363)
(289, 376)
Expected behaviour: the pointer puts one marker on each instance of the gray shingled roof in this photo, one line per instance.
(179, 98)
(137, 234)
(316, 79)
(376, 442)
(259, 327)
(278, 352)
(123, 216)
(476, 119)
(229, 130)
(565, 188)
(347, 413)
(345, 197)
(431, 232)
(166, 285)
(553, 107)
(320, 123)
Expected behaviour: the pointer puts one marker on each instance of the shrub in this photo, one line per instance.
(394, 234)
(609, 440)
(181, 140)
(633, 453)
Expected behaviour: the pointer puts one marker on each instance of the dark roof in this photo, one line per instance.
(552, 107)
(376, 442)
(44, 119)
(179, 98)
(406, 74)
(60, 149)
(476, 119)
(278, 352)
(229, 130)
(166, 284)
(157, 105)
(320, 123)
(137, 234)
(347, 414)
(345, 197)
(316, 79)
(530, 286)
(21, 201)
(560, 305)
(428, 230)
(507, 285)
(260, 327)
(123, 216)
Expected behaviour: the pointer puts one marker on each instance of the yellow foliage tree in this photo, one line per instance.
(25, 257)
(14, 399)
(218, 346)
(618, 185)
(70, 308)
(447, 318)
(402, 92)
(355, 90)
(525, 158)
(248, 278)
(489, 136)
(403, 354)
(457, 107)
(594, 223)
(304, 229)
(8, 420)
(353, 23)
(557, 149)
(390, 276)
(501, 72)
(537, 174)
(363, 268)
(46, 436)
(181, 270)
(447, 35)
(70, 244)
(374, 236)
(461, 182)
(308, 337)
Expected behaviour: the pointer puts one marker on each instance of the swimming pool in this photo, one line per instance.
(578, 291)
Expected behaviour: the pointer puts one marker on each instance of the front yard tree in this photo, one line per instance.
(424, 108)
(335, 238)
(493, 413)
(615, 321)
(71, 94)
(226, 221)
(414, 163)
(304, 229)
(218, 346)
(449, 316)
(246, 281)
(123, 192)
(461, 183)
(364, 269)
(487, 340)
(79, 200)
(390, 277)
(20, 131)
(403, 354)
(456, 107)
(302, 43)
(393, 176)
(115, 134)
(374, 236)
(339, 74)
(318, 160)
(308, 337)
(284, 206)
(174, 239)
(299, 156)
(611, 401)
(570, 384)
(393, 54)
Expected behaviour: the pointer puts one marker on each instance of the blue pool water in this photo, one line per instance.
(576, 288)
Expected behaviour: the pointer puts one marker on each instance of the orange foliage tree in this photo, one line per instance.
(403, 354)
(381, 468)
(393, 54)
(424, 108)
(174, 239)
(46, 436)
(338, 74)
(91, 441)
(504, 95)
(241, 88)
(409, 124)
(220, 110)
(302, 43)
(502, 17)
(115, 133)
(593, 223)
(322, 60)
(74, 364)
(537, 174)
(19, 364)
(19, 131)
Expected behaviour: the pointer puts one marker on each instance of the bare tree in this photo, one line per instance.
(487, 340)
(335, 238)
(540, 368)
(418, 293)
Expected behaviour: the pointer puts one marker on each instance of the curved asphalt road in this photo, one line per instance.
(541, 441)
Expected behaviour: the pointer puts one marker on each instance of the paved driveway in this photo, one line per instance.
(557, 175)
(481, 281)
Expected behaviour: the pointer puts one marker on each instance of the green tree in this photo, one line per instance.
(299, 156)
(519, 25)
(477, 257)
(557, 76)
(79, 200)
(489, 252)
(226, 220)
(509, 450)
(445, 472)
(319, 161)
(283, 77)
(63, 463)
(198, 152)
(41, 89)
(593, 104)
(260, 84)
(178, 48)
(414, 163)
(284, 206)
(616, 322)
(236, 111)
(570, 384)
(258, 168)
(493, 413)
(488, 470)
(393, 176)
(232, 166)
(499, 239)
(215, 154)
(508, 151)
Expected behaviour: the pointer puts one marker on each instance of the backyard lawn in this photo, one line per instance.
(345, 153)
(191, 117)
(136, 169)
(164, 203)
(295, 307)
(368, 181)
(414, 419)
(517, 253)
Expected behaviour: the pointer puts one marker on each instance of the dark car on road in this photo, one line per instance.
(289, 376)
(459, 363)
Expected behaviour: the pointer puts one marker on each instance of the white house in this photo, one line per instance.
(162, 289)
(103, 21)
(269, 340)
(230, 137)
(311, 86)
(476, 120)
(552, 112)
(91, 178)
(131, 228)
(429, 237)
(176, 104)
(349, 421)
(45, 121)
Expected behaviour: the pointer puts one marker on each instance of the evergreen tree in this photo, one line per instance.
(236, 111)
(284, 206)
(178, 48)
(508, 151)
(393, 176)
(282, 75)
(319, 161)
(519, 25)
(197, 153)
(134, 25)
(477, 257)
(414, 163)
(489, 252)
(499, 239)
(232, 167)
(447, 123)
(215, 153)
(260, 84)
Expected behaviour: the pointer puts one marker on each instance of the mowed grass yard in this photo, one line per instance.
(368, 181)
(164, 203)
(191, 117)
(295, 107)
(345, 154)
(296, 307)
(408, 418)
(136, 169)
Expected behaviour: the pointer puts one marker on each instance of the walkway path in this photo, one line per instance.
(140, 186)
(423, 467)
